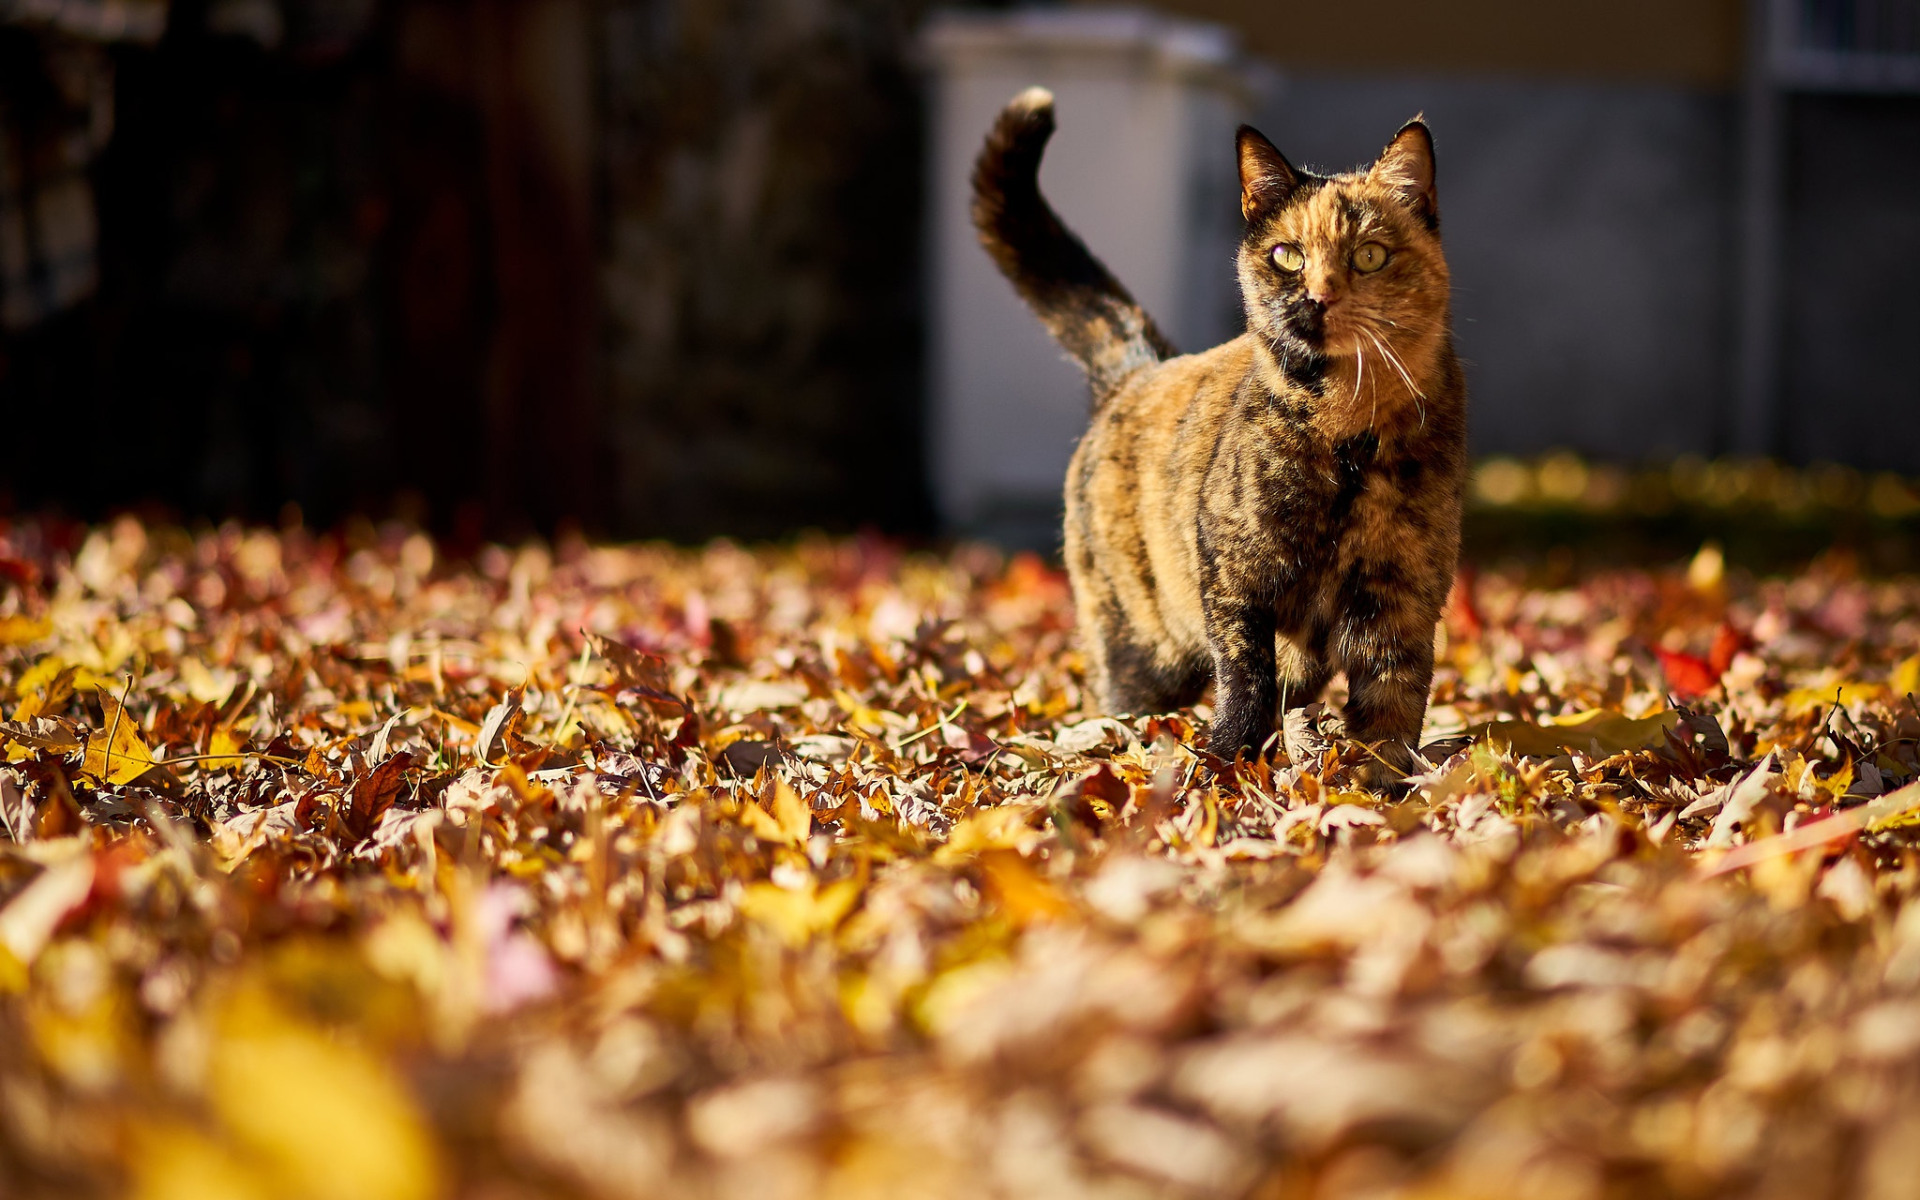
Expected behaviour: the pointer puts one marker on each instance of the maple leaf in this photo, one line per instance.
(116, 755)
(1688, 676)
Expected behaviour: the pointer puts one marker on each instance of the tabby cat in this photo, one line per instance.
(1281, 507)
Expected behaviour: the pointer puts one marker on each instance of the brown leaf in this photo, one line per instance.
(374, 793)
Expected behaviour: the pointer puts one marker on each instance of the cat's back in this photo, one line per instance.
(1160, 421)
(1133, 489)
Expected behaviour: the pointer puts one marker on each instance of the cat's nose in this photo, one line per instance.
(1323, 293)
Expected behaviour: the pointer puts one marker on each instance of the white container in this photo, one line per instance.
(1141, 167)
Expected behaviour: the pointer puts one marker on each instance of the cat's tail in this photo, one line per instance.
(1079, 302)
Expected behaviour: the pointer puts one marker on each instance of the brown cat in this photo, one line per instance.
(1280, 507)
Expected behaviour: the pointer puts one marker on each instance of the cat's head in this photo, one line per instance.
(1332, 264)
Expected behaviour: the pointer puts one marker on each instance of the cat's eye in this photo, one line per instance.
(1370, 257)
(1287, 257)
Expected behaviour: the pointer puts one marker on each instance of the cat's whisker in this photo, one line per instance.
(1398, 365)
(1417, 328)
(1394, 361)
(1360, 360)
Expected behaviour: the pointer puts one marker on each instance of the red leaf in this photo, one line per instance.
(1689, 676)
(1727, 642)
(19, 572)
(1462, 613)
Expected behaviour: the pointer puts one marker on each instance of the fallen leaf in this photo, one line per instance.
(223, 747)
(29, 919)
(1827, 830)
(1003, 828)
(1689, 677)
(324, 1118)
(116, 755)
(800, 914)
(374, 793)
(1594, 730)
(20, 631)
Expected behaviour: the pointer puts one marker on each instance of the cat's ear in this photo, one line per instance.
(1266, 177)
(1406, 166)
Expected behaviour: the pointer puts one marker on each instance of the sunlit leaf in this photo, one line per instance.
(20, 630)
(116, 754)
(1004, 828)
(174, 1161)
(1808, 700)
(324, 1118)
(1906, 677)
(1688, 675)
(800, 914)
(1608, 732)
(223, 746)
(1019, 891)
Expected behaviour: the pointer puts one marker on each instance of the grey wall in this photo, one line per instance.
(1589, 229)
(1850, 262)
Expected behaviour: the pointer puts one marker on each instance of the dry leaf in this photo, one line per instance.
(116, 755)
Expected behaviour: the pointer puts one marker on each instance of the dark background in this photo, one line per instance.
(654, 268)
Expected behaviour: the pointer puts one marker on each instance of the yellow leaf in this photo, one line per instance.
(1906, 677)
(116, 755)
(323, 1117)
(1834, 785)
(204, 684)
(44, 687)
(18, 630)
(41, 701)
(1003, 828)
(1021, 894)
(177, 1162)
(222, 745)
(1801, 701)
(788, 825)
(1613, 732)
(759, 824)
(799, 914)
(792, 813)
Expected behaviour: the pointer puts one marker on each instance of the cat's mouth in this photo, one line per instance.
(1346, 334)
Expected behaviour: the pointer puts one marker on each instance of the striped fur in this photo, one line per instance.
(1081, 304)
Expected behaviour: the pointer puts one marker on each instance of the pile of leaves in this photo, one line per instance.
(334, 868)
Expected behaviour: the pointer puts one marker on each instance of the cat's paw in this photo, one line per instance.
(1229, 737)
(1385, 768)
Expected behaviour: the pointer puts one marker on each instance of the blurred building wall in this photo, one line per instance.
(1597, 199)
(1140, 169)
(761, 273)
(1588, 227)
(1694, 43)
(654, 265)
(1850, 250)
(650, 266)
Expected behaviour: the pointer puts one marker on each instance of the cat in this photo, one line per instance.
(1280, 507)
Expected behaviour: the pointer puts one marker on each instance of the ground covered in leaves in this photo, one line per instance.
(330, 867)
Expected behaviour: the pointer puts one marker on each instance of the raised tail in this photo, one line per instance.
(1081, 304)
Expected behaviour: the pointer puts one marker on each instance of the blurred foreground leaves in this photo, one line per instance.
(330, 868)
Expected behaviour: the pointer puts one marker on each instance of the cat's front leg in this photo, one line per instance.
(1386, 648)
(1240, 633)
